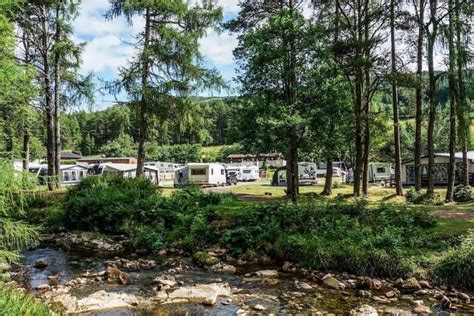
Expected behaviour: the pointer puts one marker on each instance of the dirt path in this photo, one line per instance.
(455, 214)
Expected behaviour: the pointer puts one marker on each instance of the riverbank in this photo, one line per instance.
(171, 282)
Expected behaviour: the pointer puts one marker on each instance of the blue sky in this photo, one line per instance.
(106, 49)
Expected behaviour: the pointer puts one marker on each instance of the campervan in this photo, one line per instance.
(203, 174)
(306, 174)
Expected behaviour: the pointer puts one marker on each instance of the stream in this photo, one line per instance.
(285, 295)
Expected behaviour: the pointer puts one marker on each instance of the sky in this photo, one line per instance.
(107, 50)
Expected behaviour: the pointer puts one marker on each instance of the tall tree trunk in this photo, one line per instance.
(57, 97)
(292, 173)
(26, 150)
(359, 79)
(432, 95)
(367, 101)
(142, 107)
(48, 99)
(396, 118)
(418, 92)
(452, 100)
(328, 181)
(464, 119)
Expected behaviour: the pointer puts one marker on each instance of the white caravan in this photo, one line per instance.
(203, 174)
(380, 172)
(244, 173)
(167, 170)
(306, 174)
(130, 171)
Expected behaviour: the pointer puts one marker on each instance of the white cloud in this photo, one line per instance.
(229, 6)
(218, 47)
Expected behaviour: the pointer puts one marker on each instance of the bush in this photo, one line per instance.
(421, 198)
(106, 204)
(457, 265)
(462, 193)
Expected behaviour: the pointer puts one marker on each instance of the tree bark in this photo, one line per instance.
(432, 95)
(396, 118)
(292, 173)
(463, 109)
(367, 100)
(57, 97)
(453, 113)
(328, 181)
(48, 108)
(142, 107)
(418, 92)
(26, 151)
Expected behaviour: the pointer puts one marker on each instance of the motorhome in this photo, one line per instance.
(203, 174)
(130, 171)
(244, 173)
(306, 175)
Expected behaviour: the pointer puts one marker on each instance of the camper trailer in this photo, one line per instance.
(130, 171)
(68, 175)
(167, 170)
(244, 173)
(380, 172)
(306, 175)
(203, 174)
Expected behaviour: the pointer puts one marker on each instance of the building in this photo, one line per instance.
(66, 157)
(100, 160)
(441, 169)
(272, 159)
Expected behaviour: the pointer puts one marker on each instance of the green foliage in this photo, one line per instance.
(176, 153)
(462, 193)
(15, 234)
(422, 198)
(13, 302)
(457, 266)
(150, 237)
(107, 204)
(122, 146)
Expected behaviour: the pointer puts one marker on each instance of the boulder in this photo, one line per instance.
(103, 301)
(364, 293)
(160, 296)
(41, 264)
(54, 280)
(411, 285)
(206, 294)
(364, 310)
(269, 274)
(165, 281)
(259, 307)
(332, 282)
(224, 268)
(464, 298)
(204, 259)
(422, 309)
(114, 275)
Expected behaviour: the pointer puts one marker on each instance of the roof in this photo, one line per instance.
(126, 167)
(62, 167)
(252, 156)
(65, 155)
(203, 164)
(105, 158)
(458, 155)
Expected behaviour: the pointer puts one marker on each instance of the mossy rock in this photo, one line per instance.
(202, 258)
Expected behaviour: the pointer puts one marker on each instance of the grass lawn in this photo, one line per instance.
(211, 153)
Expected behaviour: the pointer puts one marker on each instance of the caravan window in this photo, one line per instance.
(66, 176)
(247, 171)
(380, 169)
(198, 172)
(222, 172)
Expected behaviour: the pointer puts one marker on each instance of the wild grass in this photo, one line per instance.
(13, 303)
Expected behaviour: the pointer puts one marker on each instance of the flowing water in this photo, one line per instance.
(285, 297)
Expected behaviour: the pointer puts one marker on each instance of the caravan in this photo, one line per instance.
(244, 173)
(306, 175)
(381, 173)
(203, 174)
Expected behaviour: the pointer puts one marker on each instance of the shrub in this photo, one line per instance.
(462, 193)
(421, 198)
(106, 204)
(457, 265)
(150, 237)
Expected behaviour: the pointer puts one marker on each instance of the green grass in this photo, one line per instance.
(13, 303)
(211, 153)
